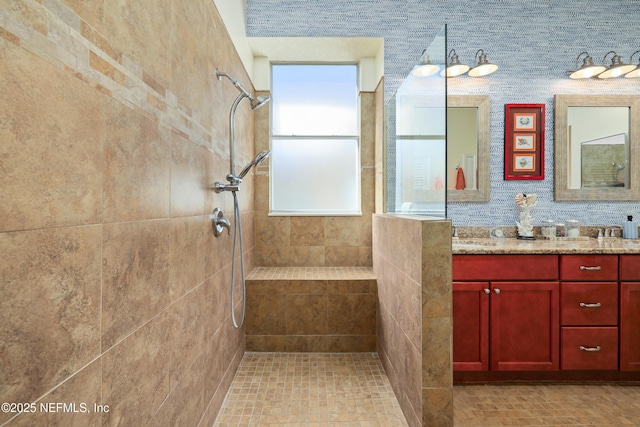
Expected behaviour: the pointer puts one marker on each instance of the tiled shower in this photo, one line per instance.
(113, 289)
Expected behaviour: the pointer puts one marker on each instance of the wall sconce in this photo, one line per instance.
(635, 73)
(617, 67)
(455, 68)
(484, 67)
(588, 68)
(425, 68)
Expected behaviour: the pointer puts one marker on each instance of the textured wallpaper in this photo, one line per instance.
(532, 42)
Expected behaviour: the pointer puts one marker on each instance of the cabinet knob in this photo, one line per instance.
(583, 348)
(590, 268)
(497, 291)
(590, 305)
(487, 291)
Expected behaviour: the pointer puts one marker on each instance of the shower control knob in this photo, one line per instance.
(219, 222)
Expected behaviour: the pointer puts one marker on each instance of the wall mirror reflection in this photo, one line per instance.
(596, 143)
(468, 148)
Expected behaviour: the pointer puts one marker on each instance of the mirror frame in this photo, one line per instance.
(483, 104)
(562, 192)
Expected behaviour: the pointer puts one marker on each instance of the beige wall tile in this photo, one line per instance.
(49, 308)
(128, 26)
(306, 231)
(51, 167)
(135, 276)
(188, 177)
(437, 407)
(306, 314)
(83, 387)
(137, 182)
(185, 404)
(186, 255)
(186, 339)
(135, 374)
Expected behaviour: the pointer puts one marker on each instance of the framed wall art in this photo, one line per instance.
(524, 141)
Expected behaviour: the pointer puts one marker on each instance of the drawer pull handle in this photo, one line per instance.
(487, 291)
(587, 268)
(587, 305)
(596, 348)
(497, 291)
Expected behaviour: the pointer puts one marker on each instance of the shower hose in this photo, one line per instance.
(237, 229)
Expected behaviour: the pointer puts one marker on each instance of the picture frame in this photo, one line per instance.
(524, 141)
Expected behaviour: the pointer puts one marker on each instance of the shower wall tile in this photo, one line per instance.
(128, 26)
(82, 387)
(135, 276)
(135, 374)
(186, 339)
(311, 315)
(306, 231)
(137, 166)
(186, 254)
(412, 263)
(185, 403)
(188, 177)
(49, 308)
(51, 168)
(306, 256)
(113, 130)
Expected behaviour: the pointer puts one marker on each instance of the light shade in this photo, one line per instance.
(425, 68)
(635, 73)
(455, 68)
(484, 67)
(588, 68)
(617, 67)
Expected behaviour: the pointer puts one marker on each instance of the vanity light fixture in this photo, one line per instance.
(588, 68)
(617, 67)
(635, 73)
(425, 68)
(455, 68)
(484, 67)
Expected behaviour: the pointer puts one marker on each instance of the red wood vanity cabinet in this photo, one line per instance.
(630, 312)
(505, 313)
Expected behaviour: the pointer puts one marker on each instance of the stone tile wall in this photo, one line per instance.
(412, 264)
(320, 310)
(113, 289)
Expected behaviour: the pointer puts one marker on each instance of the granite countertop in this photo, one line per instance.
(476, 246)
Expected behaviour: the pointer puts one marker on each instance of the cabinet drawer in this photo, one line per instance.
(589, 303)
(585, 348)
(589, 267)
(505, 267)
(630, 267)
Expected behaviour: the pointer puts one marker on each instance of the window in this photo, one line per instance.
(315, 161)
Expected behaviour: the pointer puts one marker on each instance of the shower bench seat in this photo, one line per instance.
(311, 309)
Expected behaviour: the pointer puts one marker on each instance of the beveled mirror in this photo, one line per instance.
(468, 148)
(597, 144)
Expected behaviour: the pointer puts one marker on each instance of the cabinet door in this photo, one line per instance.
(470, 326)
(630, 326)
(525, 326)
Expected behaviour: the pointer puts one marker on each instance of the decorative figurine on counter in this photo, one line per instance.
(525, 227)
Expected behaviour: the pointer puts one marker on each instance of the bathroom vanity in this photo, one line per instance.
(546, 309)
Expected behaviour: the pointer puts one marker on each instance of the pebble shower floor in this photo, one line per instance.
(310, 389)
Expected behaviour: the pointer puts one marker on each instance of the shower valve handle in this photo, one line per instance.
(219, 222)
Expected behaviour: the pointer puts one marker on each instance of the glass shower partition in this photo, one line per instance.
(415, 140)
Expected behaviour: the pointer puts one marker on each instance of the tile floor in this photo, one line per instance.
(310, 389)
(546, 405)
(351, 389)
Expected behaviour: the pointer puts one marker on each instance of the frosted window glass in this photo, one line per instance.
(315, 176)
(314, 100)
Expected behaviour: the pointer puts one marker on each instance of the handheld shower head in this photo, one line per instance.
(261, 157)
(617, 165)
(259, 102)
